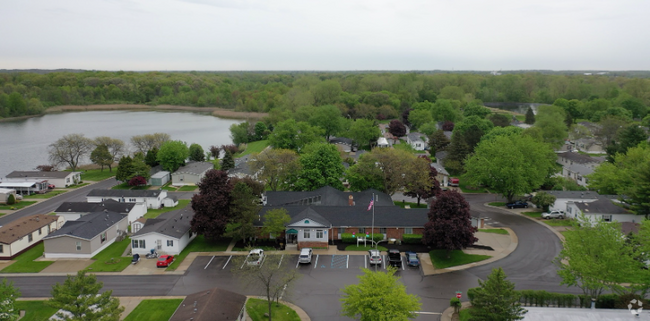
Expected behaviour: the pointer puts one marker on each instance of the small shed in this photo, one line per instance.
(4, 194)
(159, 179)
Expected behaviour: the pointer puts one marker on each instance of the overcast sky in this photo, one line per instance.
(325, 34)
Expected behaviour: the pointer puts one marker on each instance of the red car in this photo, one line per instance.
(51, 186)
(165, 260)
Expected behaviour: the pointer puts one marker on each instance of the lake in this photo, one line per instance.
(23, 143)
(521, 108)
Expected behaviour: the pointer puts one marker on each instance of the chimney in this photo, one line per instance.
(351, 200)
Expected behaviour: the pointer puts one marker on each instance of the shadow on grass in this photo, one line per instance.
(111, 259)
(457, 257)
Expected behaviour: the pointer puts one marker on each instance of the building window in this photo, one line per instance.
(307, 234)
(607, 218)
(319, 234)
(40, 231)
(103, 237)
(408, 230)
(170, 243)
(78, 246)
(2, 249)
(382, 230)
(138, 244)
(30, 237)
(362, 230)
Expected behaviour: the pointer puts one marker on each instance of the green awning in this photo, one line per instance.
(292, 231)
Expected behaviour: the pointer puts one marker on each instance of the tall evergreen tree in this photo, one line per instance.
(79, 295)
(196, 153)
(152, 157)
(227, 162)
(124, 169)
(530, 116)
(496, 299)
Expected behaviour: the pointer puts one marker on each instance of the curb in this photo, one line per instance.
(557, 233)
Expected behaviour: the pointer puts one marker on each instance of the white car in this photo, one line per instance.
(374, 257)
(255, 257)
(553, 214)
(305, 255)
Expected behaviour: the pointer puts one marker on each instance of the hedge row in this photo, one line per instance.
(412, 238)
(541, 298)
(348, 238)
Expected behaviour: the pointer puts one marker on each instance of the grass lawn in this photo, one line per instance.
(494, 230)
(96, 175)
(47, 195)
(35, 310)
(111, 259)
(554, 222)
(464, 315)
(533, 214)
(199, 244)
(471, 189)
(169, 187)
(256, 309)
(405, 147)
(77, 186)
(457, 257)
(25, 262)
(364, 248)
(254, 147)
(155, 213)
(423, 204)
(16, 206)
(126, 185)
(153, 310)
(188, 188)
(497, 203)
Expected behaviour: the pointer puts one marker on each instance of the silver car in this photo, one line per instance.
(305, 255)
(374, 257)
(553, 214)
(255, 257)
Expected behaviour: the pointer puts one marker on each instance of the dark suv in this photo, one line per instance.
(394, 258)
(517, 204)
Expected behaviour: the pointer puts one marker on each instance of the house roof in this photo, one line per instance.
(439, 168)
(174, 223)
(580, 158)
(124, 193)
(382, 141)
(441, 155)
(338, 216)
(601, 206)
(341, 140)
(17, 229)
(18, 184)
(327, 196)
(415, 136)
(309, 213)
(7, 190)
(580, 169)
(196, 168)
(213, 304)
(161, 174)
(574, 194)
(39, 174)
(448, 133)
(83, 207)
(241, 166)
(88, 226)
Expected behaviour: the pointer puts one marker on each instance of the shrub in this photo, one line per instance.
(455, 302)
(625, 299)
(470, 294)
(412, 238)
(607, 301)
(11, 200)
(349, 238)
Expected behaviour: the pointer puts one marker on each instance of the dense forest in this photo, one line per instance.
(380, 95)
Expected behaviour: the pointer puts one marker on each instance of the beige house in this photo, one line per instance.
(87, 236)
(191, 173)
(22, 234)
(4, 194)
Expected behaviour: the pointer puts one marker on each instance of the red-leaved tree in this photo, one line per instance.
(396, 128)
(448, 126)
(137, 181)
(212, 205)
(450, 223)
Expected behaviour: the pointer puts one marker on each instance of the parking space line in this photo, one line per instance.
(282, 257)
(347, 261)
(206, 266)
(401, 261)
(242, 265)
(383, 262)
(365, 262)
(298, 263)
(315, 265)
(224, 266)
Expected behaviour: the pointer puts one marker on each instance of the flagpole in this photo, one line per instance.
(372, 229)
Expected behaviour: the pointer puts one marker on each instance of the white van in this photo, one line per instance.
(305, 255)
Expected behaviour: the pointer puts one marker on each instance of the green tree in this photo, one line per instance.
(16, 104)
(275, 167)
(621, 176)
(239, 133)
(476, 108)
(196, 153)
(639, 197)
(419, 117)
(228, 162)
(321, 165)
(275, 222)
(467, 133)
(11, 199)
(290, 134)
(438, 141)
(152, 157)
(102, 157)
(124, 169)
(444, 110)
(364, 132)
(379, 296)
(79, 295)
(261, 131)
(115, 146)
(550, 120)
(326, 92)
(139, 167)
(172, 155)
(244, 208)
(628, 137)
(383, 168)
(328, 118)
(510, 164)
(530, 116)
(543, 200)
(499, 120)
(595, 257)
(8, 296)
(496, 299)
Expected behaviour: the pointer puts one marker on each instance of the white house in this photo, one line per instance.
(159, 178)
(562, 198)
(575, 166)
(170, 233)
(59, 179)
(382, 142)
(443, 175)
(26, 188)
(23, 233)
(72, 211)
(4, 194)
(308, 229)
(417, 141)
(152, 198)
(604, 209)
(191, 174)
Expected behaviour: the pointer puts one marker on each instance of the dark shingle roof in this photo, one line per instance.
(213, 304)
(601, 206)
(39, 174)
(83, 207)
(341, 140)
(196, 168)
(124, 193)
(88, 226)
(580, 158)
(579, 194)
(18, 228)
(175, 223)
(327, 196)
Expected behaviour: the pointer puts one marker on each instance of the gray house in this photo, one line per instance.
(159, 179)
(191, 173)
(87, 236)
(169, 233)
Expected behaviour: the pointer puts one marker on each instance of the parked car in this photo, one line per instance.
(51, 186)
(255, 257)
(453, 181)
(136, 259)
(305, 255)
(517, 204)
(394, 258)
(374, 257)
(165, 260)
(553, 214)
(412, 259)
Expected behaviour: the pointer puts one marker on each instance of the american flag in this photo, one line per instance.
(372, 202)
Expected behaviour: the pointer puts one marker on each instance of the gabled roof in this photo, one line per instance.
(7, 190)
(174, 223)
(213, 304)
(196, 168)
(601, 206)
(83, 207)
(20, 184)
(341, 140)
(124, 193)
(574, 194)
(39, 174)
(309, 213)
(88, 226)
(580, 169)
(327, 196)
(415, 137)
(241, 166)
(161, 174)
(580, 158)
(439, 168)
(18, 228)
